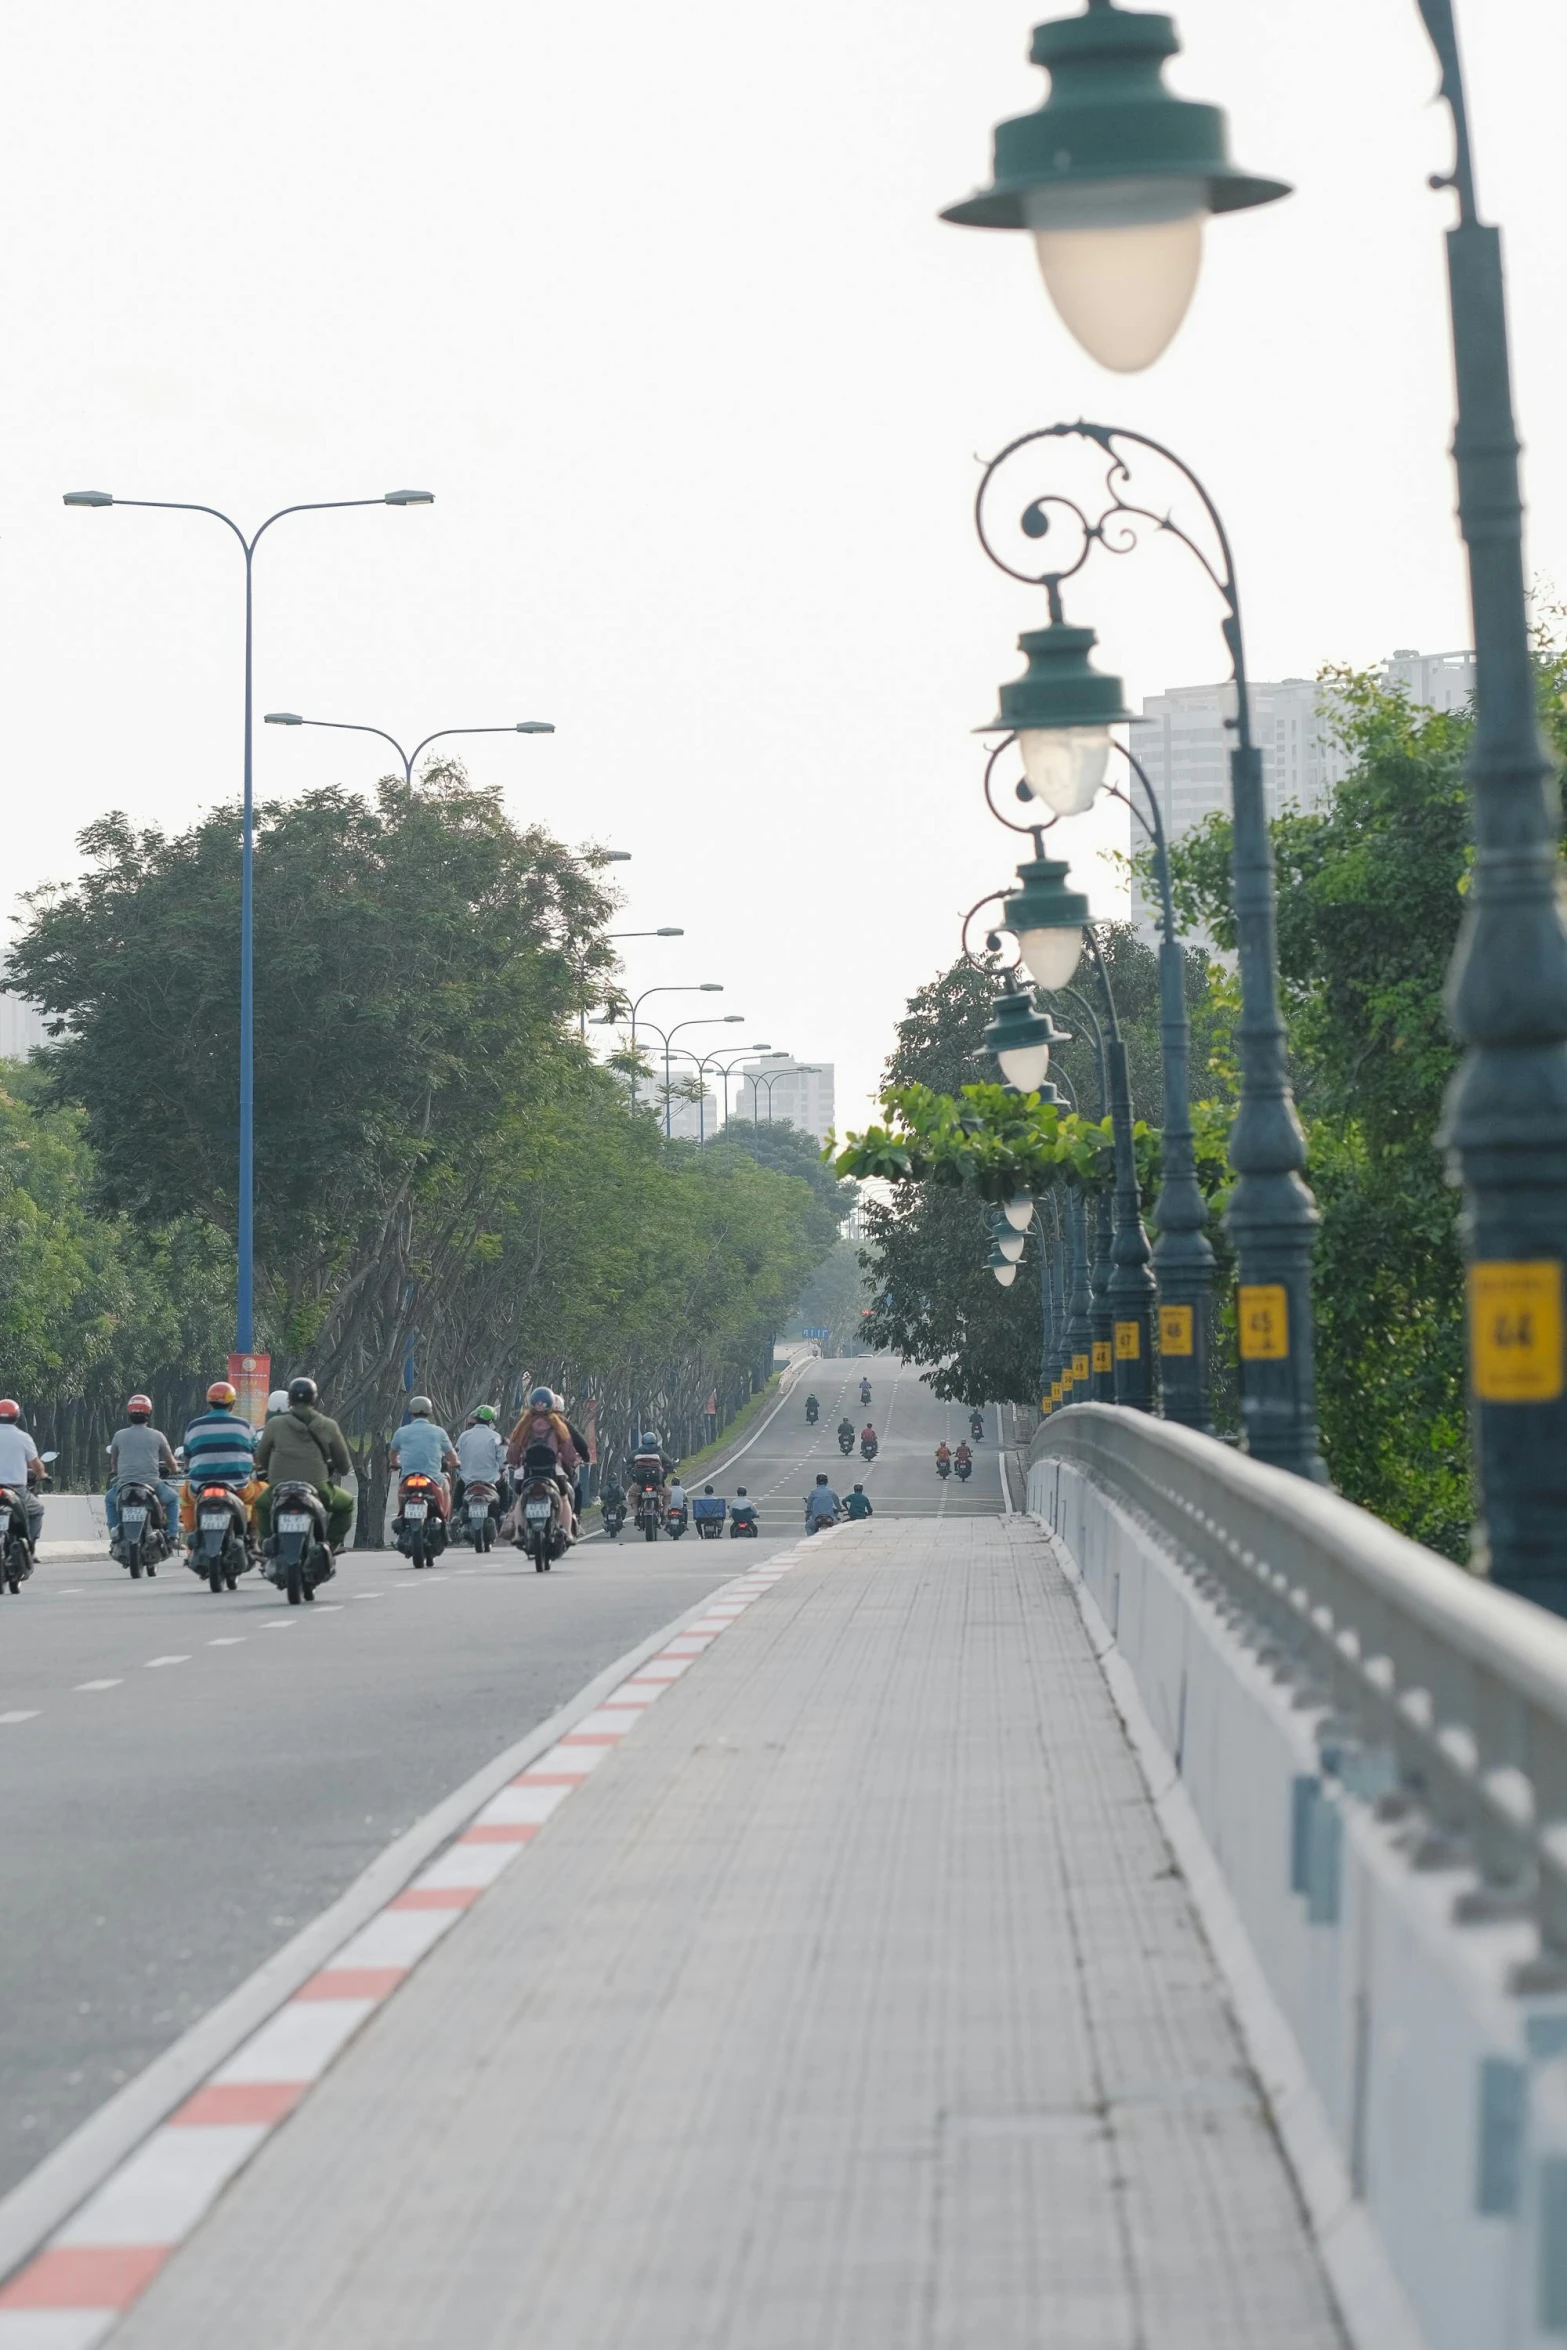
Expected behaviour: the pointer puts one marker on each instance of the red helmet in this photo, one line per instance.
(221, 1392)
(9, 1409)
(140, 1407)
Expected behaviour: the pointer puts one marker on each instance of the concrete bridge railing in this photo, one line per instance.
(1371, 1748)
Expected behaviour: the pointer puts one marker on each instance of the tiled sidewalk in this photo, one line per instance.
(853, 2004)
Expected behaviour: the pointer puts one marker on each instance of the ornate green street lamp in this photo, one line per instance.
(1002, 1266)
(1113, 175)
(1047, 919)
(1021, 1037)
(1063, 710)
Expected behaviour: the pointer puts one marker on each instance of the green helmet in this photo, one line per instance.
(484, 1411)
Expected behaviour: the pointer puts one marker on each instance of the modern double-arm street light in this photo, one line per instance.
(755, 1082)
(347, 726)
(1114, 175)
(244, 1339)
(612, 1018)
(702, 1062)
(712, 1020)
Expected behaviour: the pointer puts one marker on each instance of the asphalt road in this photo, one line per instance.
(189, 1778)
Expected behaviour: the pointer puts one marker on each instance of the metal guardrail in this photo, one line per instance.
(1445, 1700)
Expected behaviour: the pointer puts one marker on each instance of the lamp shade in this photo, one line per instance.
(1019, 1212)
(1062, 709)
(1021, 1038)
(1010, 1243)
(1114, 175)
(1005, 1272)
(1046, 918)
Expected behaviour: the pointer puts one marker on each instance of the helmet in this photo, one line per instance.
(302, 1391)
(707, 1489)
(739, 1493)
(542, 1399)
(859, 1489)
(277, 1401)
(221, 1392)
(649, 1440)
(9, 1410)
(418, 1407)
(140, 1407)
(821, 1477)
(484, 1412)
(557, 1399)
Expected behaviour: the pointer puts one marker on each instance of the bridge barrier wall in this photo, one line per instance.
(1368, 1743)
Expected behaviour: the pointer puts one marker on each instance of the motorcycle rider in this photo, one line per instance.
(219, 1449)
(812, 1407)
(140, 1454)
(858, 1504)
(541, 1428)
(481, 1454)
(865, 1391)
(20, 1467)
(675, 1499)
(845, 1428)
(943, 1456)
(422, 1448)
(976, 1424)
(821, 1503)
(302, 1446)
(612, 1498)
(869, 1436)
(963, 1457)
(742, 1507)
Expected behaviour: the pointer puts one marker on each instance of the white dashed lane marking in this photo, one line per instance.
(97, 1684)
(20, 1717)
(153, 1662)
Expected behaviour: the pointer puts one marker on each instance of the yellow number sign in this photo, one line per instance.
(1102, 1357)
(1265, 1322)
(1515, 1331)
(1079, 1369)
(1175, 1330)
(1055, 1391)
(1128, 1342)
(1046, 1407)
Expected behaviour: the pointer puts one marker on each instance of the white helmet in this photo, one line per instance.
(277, 1401)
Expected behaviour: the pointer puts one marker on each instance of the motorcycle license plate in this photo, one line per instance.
(415, 1509)
(213, 1522)
(538, 1509)
(133, 1517)
(478, 1510)
(294, 1522)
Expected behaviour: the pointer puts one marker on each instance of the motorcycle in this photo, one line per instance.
(943, 1468)
(812, 1412)
(846, 1441)
(649, 1517)
(296, 1555)
(707, 1515)
(965, 1470)
(614, 1519)
(675, 1522)
(869, 1448)
(16, 1547)
(220, 1546)
(481, 1505)
(742, 1520)
(420, 1524)
(976, 1426)
(539, 1529)
(142, 1541)
(865, 1391)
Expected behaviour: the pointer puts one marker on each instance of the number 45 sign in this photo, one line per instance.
(1515, 1331)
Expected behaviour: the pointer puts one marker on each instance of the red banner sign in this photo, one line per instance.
(251, 1378)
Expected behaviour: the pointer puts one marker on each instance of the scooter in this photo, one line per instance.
(812, 1412)
(675, 1522)
(220, 1547)
(943, 1468)
(480, 1515)
(846, 1444)
(649, 1516)
(742, 1521)
(142, 1541)
(16, 1546)
(869, 1448)
(614, 1519)
(420, 1524)
(865, 1391)
(965, 1470)
(976, 1426)
(296, 1555)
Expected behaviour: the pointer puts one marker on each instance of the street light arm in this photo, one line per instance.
(347, 726)
(1437, 16)
(1155, 832)
(310, 506)
(1091, 933)
(185, 506)
(442, 732)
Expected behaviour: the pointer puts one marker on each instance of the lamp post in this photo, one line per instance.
(668, 1035)
(724, 1067)
(1101, 1312)
(800, 1069)
(1271, 1214)
(245, 1287)
(1504, 1123)
(691, 987)
(347, 726)
(702, 1062)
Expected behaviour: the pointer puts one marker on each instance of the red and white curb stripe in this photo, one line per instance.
(71, 2293)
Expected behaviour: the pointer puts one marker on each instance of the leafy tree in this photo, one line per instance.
(1370, 893)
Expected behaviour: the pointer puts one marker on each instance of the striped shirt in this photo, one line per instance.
(222, 1447)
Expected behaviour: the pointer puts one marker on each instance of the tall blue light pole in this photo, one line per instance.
(245, 1299)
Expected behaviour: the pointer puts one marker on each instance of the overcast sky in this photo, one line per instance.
(656, 302)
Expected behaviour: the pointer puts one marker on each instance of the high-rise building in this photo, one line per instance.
(686, 1120)
(21, 1027)
(777, 1087)
(1185, 743)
